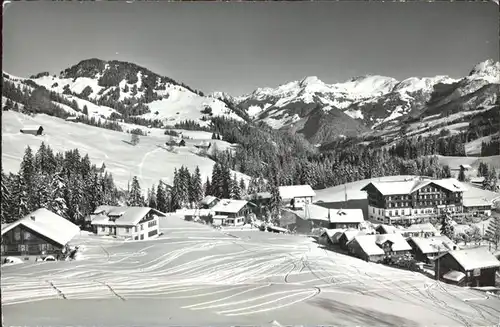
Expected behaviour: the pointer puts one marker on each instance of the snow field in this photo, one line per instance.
(195, 269)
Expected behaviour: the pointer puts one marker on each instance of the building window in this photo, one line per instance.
(127, 230)
(17, 236)
(135, 229)
(142, 227)
(103, 229)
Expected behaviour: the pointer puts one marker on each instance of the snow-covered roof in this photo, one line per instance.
(229, 205)
(434, 244)
(478, 180)
(410, 186)
(476, 258)
(123, 216)
(475, 202)
(259, 195)
(31, 127)
(425, 227)
(371, 244)
(350, 234)
(295, 191)
(316, 212)
(454, 275)
(389, 229)
(48, 224)
(208, 199)
(466, 166)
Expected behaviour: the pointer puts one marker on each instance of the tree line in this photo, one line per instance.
(65, 183)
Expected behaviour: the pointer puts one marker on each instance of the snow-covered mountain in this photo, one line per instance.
(128, 89)
(372, 101)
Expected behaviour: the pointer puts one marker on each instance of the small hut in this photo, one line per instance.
(33, 130)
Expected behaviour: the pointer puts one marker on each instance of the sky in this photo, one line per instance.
(240, 46)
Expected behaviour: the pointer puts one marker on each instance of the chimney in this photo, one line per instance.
(32, 218)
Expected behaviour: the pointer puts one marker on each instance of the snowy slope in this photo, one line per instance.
(146, 160)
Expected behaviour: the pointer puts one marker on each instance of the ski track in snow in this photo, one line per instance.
(244, 276)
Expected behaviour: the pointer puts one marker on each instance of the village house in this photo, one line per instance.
(376, 248)
(420, 230)
(296, 196)
(312, 216)
(471, 267)
(330, 236)
(427, 249)
(208, 202)
(477, 206)
(72, 118)
(40, 233)
(347, 237)
(203, 145)
(415, 200)
(33, 130)
(231, 212)
(136, 223)
(387, 229)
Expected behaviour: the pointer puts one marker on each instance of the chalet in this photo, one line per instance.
(72, 118)
(208, 202)
(313, 216)
(137, 223)
(33, 130)
(477, 206)
(410, 201)
(477, 181)
(347, 236)
(260, 198)
(471, 267)
(203, 145)
(330, 236)
(387, 229)
(376, 248)
(42, 232)
(174, 142)
(296, 196)
(231, 212)
(427, 249)
(421, 230)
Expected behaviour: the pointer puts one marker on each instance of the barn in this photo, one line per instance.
(33, 130)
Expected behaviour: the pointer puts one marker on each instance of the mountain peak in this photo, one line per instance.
(310, 80)
(489, 68)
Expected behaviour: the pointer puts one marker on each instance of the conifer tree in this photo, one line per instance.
(207, 187)
(196, 192)
(493, 231)
(161, 199)
(135, 197)
(446, 226)
(235, 188)
(151, 199)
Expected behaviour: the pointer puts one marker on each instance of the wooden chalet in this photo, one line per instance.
(420, 230)
(297, 196)
(427, 249)
(208, 202)
(471, 267)
(136, 223)
(377, 248)
(41, 232)
(33, 130)
(231, 212)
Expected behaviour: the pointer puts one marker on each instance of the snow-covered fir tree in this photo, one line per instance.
(162, 201)
(446, 226)
(135, 197)
(196, 190)
(151, 198)
(235, 188)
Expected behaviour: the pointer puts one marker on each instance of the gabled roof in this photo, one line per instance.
(370, 244)
(125, 216)
(426, 228)
(333, 234)
(229, 205)
(479, 180)
(454, 275)
(434, 244)
(294, 191)
(48, 224)
(316, 212)
(410, 186)
(476, 202)
(259, 195)
(350, 234)
(31, 127)
(471, 259)
(197, 212)
(388, 229)
(208, 199)
(466, 166)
